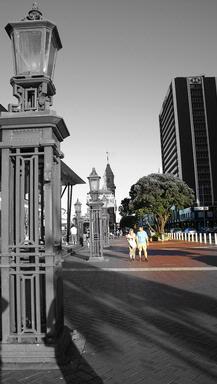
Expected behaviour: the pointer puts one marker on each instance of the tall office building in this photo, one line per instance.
(188, 129)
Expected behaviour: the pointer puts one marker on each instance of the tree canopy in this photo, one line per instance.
(157, 194)
(128, 221)
(124, 208)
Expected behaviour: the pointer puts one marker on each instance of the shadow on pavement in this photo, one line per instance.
(115, 250)
(69, 358)
(3, 306)
(76, 370)
(81, 256)
(119, 249)
(167, 252)
(111, 308)
(209, 260)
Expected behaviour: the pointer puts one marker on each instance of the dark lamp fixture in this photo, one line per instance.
(35, 44)
(94, 180)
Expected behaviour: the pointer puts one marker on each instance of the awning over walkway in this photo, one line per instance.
(68, 176)
(3, 109)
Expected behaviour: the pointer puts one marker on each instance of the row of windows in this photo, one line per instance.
(196, 99)
(196, 89)
(203, 178)
(172, 156)
(196, 94)
(167, 116)
(170, 153)
(199, 119)
(201, 133)
(168, 140)
(168, 104)
(172, 168)
(197, 108)
(167, 129)
(201, 148)
(200, 126)
(202, 162)
(204, 168)
(197, 102)
(198, 112)
(201, 140)
(204, 188)
(202, 155)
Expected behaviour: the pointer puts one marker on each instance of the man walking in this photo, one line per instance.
(142, 242)
(74, 233)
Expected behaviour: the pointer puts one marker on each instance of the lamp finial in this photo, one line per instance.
(34, 13)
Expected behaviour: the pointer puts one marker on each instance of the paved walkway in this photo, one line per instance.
(139, 322)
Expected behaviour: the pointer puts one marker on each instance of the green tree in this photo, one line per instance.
(124, 208)
(128, 221)
(157, 194)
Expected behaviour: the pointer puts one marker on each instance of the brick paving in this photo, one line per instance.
(138, 322)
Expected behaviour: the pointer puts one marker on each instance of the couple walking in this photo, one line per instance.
(140, 241)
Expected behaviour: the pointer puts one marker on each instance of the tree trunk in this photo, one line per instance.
(161, 222)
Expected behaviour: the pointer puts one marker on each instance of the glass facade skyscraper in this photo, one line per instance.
(188, 129)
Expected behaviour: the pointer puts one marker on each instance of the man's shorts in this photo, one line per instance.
(142, 246)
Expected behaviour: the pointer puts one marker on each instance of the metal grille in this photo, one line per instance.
(26, 244)
(96, 232)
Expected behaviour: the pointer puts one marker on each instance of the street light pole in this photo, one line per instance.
(77, 206)
(95, 205)
(31, 280)
(105, 222)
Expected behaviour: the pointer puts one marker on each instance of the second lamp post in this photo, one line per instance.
(95, 204)
(77, 206)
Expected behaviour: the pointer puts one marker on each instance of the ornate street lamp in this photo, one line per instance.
(77, 206)
(94, 181)
(95, 204)
(35, 44)
(31, 282)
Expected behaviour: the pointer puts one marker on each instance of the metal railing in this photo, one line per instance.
(205, 238)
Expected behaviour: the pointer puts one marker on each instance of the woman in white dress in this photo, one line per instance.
(131, 238)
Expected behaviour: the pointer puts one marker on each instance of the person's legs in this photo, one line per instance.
(140, 251)
(133, 253)
(145, 251)
(75, 239)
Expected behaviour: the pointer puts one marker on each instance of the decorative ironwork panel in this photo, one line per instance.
(96, 231)
(27, 245)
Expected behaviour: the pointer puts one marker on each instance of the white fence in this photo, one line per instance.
(205, 238)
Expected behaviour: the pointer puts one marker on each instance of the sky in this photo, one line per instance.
(112, 75)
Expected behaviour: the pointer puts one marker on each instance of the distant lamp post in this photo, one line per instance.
(94, 181)
(95, 205)
(77, 206)
(105, 222)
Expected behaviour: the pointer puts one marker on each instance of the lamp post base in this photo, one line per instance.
(21, 356)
